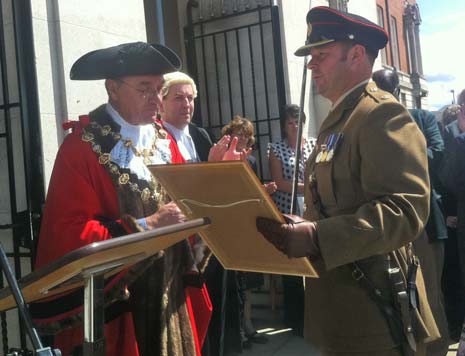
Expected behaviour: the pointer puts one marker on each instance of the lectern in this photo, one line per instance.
(88, 267)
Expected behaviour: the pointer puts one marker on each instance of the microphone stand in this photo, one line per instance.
(298, 151)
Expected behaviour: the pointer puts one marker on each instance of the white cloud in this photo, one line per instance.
(442, 52)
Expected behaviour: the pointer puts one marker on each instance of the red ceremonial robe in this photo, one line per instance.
(83, 206)
(81, 190)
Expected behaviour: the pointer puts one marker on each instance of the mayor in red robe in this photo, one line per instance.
(100, 189)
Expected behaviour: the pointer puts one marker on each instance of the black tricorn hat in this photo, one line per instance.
(128, 59)
(327, 25)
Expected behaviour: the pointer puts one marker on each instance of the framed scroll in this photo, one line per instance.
(231, 196)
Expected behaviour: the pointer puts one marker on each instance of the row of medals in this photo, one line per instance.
(327, 149)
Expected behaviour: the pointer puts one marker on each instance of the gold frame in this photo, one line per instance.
(231, 196)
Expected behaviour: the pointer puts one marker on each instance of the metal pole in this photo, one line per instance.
(224, 297)
(461, 348)
(94, 338)
(160, 22)
(298, 150)
(22, 307)
(19, 299)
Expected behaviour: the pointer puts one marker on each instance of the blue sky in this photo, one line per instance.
(442, 33)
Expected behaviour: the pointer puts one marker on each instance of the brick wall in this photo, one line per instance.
(396, 10)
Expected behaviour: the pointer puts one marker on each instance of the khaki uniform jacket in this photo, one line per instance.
(373, 199)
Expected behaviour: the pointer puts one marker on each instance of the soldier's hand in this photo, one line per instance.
(296, 238)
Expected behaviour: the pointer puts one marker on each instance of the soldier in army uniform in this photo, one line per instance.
(366, 194)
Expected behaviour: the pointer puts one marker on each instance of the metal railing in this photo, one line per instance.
(235, 57)
(21, 166)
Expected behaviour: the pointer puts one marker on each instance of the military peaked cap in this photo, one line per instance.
(327, 25)
(128, 59)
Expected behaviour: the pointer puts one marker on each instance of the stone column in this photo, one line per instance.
(412, 22)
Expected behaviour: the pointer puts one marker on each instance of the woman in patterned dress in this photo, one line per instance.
(282, 162)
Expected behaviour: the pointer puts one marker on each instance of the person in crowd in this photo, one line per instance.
(449, 115)
(194, 144)
(282, 165)
(243, 129)
(179, 92)
(101, 188)
(452, 285)
(452, 177)
(387, 80)
(430, 246)
(189, 143)
(366, 195)
(453, 122)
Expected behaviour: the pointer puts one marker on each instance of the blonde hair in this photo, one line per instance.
(174, 78)
(241, 125)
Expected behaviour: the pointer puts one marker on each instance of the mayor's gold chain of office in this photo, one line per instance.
(155, 192)
(145, 153)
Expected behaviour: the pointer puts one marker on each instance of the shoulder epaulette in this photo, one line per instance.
(377, 94)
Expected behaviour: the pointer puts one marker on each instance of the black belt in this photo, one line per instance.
(397, 326)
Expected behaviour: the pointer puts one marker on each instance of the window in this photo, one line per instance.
(403, 99)
(395, 43)
(380, 13)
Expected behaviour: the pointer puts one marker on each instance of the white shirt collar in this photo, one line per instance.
(134, 132)
(343, 96)
(142, 137)
(175, 132)
(184, 140)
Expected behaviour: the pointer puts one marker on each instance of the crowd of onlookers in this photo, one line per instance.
(452, 183)
(443, 256)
